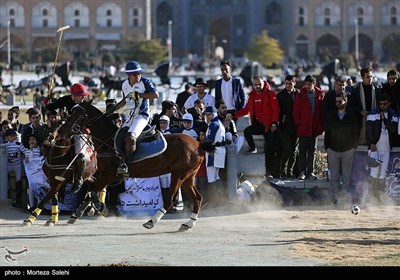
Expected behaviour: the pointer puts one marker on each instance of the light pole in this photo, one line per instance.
(169, 42)
(9, 44)
(356, 40)
(9, 51)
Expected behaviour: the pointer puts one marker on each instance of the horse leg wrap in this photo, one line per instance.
(102, 197)
(35, 214)
(192, 222)
(157, 217)
(54, 213)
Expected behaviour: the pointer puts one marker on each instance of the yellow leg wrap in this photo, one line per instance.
(102, 197)
(32, 218)
(54, 213)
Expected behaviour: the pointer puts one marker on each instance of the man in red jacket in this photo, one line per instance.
(263, 107)
(307, 116)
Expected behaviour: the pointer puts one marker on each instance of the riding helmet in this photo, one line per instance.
(79, 90)
(133, 67)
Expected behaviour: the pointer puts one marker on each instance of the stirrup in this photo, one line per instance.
(123, 170)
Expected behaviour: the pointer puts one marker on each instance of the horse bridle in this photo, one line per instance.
(56, 166)
(77, 129)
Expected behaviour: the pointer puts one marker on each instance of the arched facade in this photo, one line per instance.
(365, 47)
(328, 46)
(102, 25)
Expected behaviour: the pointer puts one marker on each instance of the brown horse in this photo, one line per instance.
(58, 167)
(182, 158)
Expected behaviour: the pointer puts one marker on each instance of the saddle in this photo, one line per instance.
(149, 135)
(150, 143)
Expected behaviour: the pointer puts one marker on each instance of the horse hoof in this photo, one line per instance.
(149, 224)
(184, 228)
(91, 212)
(72, 221)
(50, 223)
(26, 223)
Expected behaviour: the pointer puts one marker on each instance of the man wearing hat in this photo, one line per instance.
(137, 91)
(208, 99)
(78, 94)
(12, 116)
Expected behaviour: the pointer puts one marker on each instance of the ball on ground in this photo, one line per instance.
(355, 210)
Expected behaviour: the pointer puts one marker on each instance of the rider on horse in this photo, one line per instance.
(136, 94)
(78, 93)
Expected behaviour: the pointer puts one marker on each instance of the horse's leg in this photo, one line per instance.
(35, 213)
(191, 190)
(102, 197)
(99, 200)
(54, 211)
(173, 189)
(96, 204)
(81, 209)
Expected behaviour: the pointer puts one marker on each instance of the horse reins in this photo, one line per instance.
(75, 128)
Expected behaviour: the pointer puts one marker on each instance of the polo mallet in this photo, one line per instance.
(62, 178)
(61, 29)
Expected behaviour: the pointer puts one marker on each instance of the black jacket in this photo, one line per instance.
(63, 102)
(285, 100)
(341, 134)
(373, 126)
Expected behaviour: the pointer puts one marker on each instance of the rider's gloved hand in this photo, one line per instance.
(134, 95)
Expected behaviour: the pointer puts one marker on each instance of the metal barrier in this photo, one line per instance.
(232, 170)
(3, 172)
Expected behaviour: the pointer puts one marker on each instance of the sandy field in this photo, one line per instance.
(237, 234)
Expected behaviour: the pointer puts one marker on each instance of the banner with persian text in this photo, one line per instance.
(142, 197)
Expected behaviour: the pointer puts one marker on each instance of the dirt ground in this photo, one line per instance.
(261, 234)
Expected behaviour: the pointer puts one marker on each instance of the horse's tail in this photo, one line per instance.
(208, 146)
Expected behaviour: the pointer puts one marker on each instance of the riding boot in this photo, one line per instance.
(79, 167)
(18, 198)
(130, 147)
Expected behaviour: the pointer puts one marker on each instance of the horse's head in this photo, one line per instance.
(76, 122)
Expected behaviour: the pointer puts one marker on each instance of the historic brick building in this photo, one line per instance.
(306, 29)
